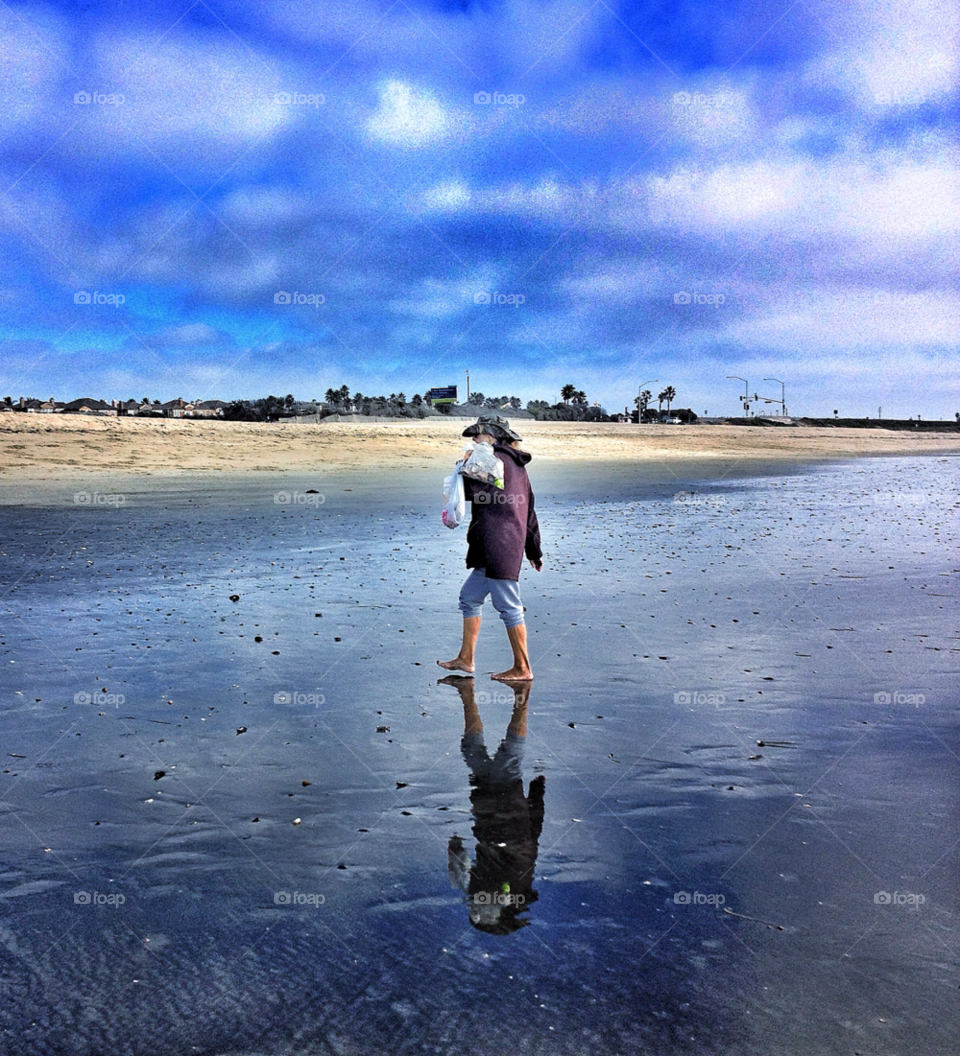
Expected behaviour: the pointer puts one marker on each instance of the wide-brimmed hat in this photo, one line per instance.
(497, 427)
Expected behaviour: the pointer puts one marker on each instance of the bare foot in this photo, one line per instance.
(456, 664)
(461, 683)
(515, 674)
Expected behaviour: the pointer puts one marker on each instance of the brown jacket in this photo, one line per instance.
(503, 523)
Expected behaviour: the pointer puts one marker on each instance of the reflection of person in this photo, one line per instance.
(503, 527)
(506, 822)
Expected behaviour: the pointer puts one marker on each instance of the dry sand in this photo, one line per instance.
(46, 447)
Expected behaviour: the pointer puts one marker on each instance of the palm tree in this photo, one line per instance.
(642, 401)
(669, 395)
(661, 396)
(568, 392)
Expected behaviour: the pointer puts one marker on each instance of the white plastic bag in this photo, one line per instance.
(454, 499)
(482, 464)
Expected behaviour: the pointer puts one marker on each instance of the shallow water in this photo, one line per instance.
(679, 623)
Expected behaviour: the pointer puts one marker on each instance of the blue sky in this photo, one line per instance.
(598, 193)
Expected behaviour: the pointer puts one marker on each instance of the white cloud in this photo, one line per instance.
(878, 197)
(190, 334)
(854, 321)
(32, 61)
(728, 196)
(449, 197)
(407, 117)
(181, 90)
(892, 51)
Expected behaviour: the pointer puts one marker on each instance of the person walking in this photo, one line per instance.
(503, 528)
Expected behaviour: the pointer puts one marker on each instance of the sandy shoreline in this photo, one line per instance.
(43, 448)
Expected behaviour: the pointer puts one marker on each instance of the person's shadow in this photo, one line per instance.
(507, 823)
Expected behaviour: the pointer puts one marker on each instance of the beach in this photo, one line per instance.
(237, 800)
(45, 447)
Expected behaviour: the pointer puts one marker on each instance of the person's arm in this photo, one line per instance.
(535, 805)
(532, 545)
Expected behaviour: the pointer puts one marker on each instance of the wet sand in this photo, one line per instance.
(296, 740)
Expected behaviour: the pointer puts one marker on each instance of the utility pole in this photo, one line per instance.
(783, 398)
(653, 381)
(745, 398)
(468, 385)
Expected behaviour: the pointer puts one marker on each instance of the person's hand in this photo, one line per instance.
(538, 566)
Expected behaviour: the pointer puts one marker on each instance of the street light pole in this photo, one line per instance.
(467, 372)
(652, 381)
(746, 390)
(783, 397)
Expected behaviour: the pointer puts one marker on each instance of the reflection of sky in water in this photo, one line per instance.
(670, 635)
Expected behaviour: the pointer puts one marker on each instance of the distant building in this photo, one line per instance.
(176, 408)
(87, 405)
(207, 409)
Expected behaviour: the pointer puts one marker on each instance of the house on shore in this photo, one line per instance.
(176, 408)
(207, 409)
(87, 405)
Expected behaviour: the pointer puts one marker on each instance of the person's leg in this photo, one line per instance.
(472, 723)
(472, 595)
(518, 718)
(520, 672)
(505, 594)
